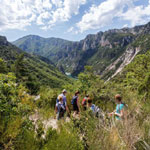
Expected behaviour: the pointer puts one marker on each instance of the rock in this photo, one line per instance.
(100, 50)
(3, 41)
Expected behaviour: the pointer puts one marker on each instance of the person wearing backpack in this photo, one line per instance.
(75, 103)
(119, 112)
(63, 95)
(60, 108)
(91, 106)
(96, 111)
(84, 102)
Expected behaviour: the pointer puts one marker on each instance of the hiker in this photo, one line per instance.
(119, 112)
(63, 95)
(75, 103)
(60, 108)
(84, 102)
(92, 107)
(95, 109)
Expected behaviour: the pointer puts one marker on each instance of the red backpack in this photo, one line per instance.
(84, 101)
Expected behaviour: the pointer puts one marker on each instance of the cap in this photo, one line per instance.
(64, 91)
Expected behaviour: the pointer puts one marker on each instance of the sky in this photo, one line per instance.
(69, 19)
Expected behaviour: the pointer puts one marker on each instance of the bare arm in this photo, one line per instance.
(78, 104)
(110, 114)
(67, 108)
(121, 113)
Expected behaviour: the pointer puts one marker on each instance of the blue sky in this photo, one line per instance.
(69, 19)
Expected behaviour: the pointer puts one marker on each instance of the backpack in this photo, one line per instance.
(60, 107)
(57, 101)
(93, 108)
(99, 113)
(74, 100)
(84, 101)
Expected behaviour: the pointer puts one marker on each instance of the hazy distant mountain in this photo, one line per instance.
(108, 52)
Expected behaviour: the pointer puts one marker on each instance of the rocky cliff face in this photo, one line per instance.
(123, 61)
(108, 52)
(3, 40)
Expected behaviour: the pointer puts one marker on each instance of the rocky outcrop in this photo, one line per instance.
(3, 41)
(105, 42)
(103, 50)
(125, 59)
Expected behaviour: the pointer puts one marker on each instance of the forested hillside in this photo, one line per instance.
(30, 85)
(87, 132)
(31, 69)
(107, 52)
(74, 74)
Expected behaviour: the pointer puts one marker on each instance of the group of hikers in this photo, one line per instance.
(62, 107)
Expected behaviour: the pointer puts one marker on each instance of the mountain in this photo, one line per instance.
(108, 52)
(37, 66)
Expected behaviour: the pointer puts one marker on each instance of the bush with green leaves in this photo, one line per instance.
(88, 132)
(16, 130)
(63, 139)
(3, 66)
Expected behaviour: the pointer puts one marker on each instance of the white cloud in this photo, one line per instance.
(57, 3)
(47, 5)
(42, 17)
(71, 29)
(137, 15)
(64, 13)
(125, 25)
(108, 11)
(18, 14)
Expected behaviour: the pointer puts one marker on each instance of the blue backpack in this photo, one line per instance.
(74, 100)
(57, 100)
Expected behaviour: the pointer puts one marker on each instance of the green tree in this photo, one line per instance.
(3, 67)
(20, 68)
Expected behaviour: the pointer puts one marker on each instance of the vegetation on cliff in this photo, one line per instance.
(16, 105)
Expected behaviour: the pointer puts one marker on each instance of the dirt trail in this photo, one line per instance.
(51, 122)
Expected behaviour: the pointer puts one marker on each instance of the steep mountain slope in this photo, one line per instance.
(40, 67)
(41, 46)
(108, 52)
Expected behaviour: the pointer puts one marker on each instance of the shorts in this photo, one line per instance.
(75, 108)
(84, 108)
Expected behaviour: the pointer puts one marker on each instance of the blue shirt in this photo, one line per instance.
(119, 107)
(93, 108)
